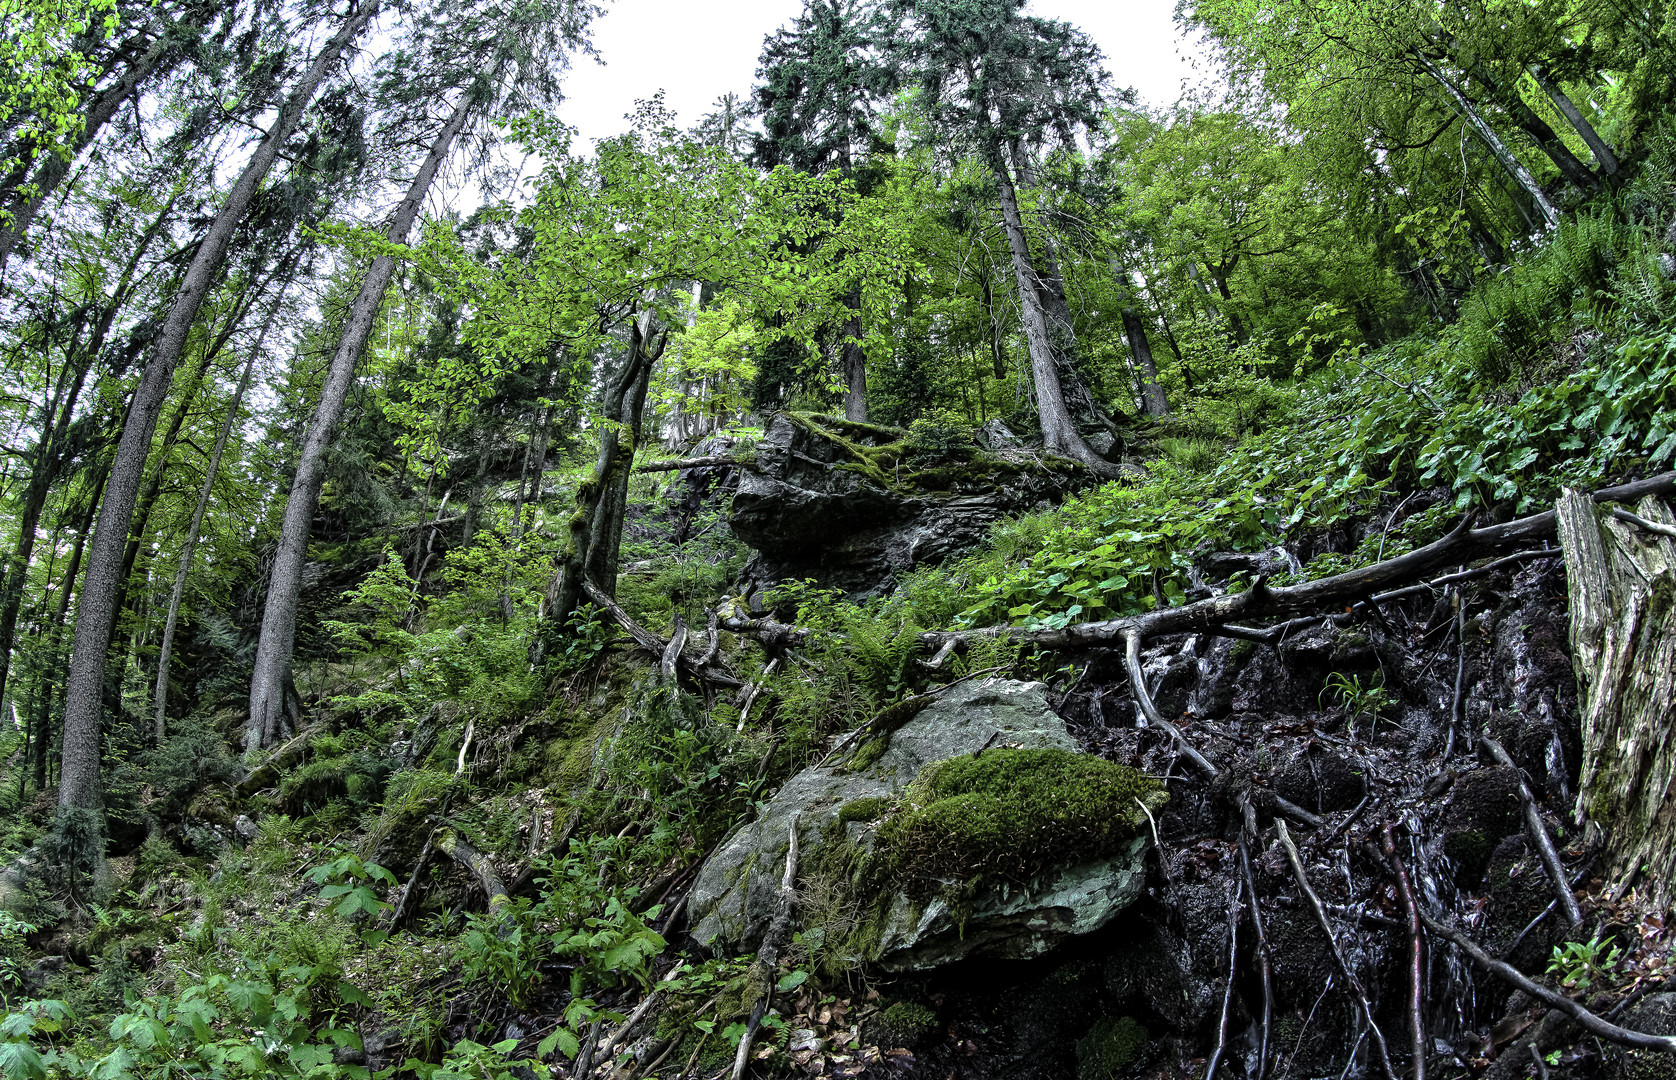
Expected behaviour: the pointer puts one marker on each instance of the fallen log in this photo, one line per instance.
(683, 464)
(479, 865)
(1462, 544)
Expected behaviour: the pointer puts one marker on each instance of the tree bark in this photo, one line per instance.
(189, 546)
(855, 371)
(589, 523)
(1603, 155)
(80, 784)
(1622, 585)
(1526, 119)
(1153, 402)
(279, 614)
(1059, 429)
(1481, 127)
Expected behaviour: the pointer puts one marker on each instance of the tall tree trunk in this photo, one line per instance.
(1059, 429)
(48, 457)
(855, 372)
(1526, 119)
(1603, 155)
(80, 785)
(1056, 309)
(1153, 402)
(55, 661)
(1481, 127)
(279, 615)
(189, 546)
(25, 204)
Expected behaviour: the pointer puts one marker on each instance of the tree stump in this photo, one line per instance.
(1621, 578)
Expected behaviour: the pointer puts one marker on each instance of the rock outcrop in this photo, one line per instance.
(843, 810)
(854, 505)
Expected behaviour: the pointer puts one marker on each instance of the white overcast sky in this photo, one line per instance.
(695, 52)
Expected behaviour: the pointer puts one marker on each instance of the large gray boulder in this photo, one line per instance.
(734, 897)
(853, 505)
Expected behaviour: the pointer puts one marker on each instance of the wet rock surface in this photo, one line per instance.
(733, 900)
(853, 506)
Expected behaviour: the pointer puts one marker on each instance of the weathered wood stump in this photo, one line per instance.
(1621, 576)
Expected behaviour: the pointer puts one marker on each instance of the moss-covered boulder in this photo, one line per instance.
(977, 828)
(853, 505)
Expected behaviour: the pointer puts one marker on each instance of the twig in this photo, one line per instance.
(1350, 976)
(1416, 968)
(1510, 974)
(1642, 523)
(768, 955)
(1265, 964)
(1538, 833)
(1457, 710)
(605, 1051)
(1228, 990)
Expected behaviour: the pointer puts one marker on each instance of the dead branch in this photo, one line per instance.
(1143, 698)
(654, 644)
(479, 865)
(1416, 968)
(1351, 979)
(1510, 974)
(672, 651)
(610, 1045)
(768, 956)
(1460, 545)
(1457, 709)
(683, 464)
(749, 697)
(1642, 523)
(411, 890)
(1538, 833)
(713, 643)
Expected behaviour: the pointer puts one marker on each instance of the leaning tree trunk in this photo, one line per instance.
(1059, 429)
(189, 546)
(1621, 576)
(79, 783)
(279, 614)
(1475, 120)
(1604, 157)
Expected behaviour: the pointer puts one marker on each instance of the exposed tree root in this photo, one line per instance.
(656, 645)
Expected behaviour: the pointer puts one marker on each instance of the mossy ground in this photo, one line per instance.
(1111, 1046)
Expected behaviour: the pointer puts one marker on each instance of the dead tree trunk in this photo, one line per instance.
(1621, 578)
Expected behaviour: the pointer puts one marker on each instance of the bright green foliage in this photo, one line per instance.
(1579, 963)
(1011, 814)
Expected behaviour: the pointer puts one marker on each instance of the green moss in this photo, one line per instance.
(871, 809)
(314, 785)
(906, 1023)
(1012, 813)
(1110, 1046)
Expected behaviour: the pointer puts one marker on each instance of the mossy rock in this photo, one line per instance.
(1011, 813)
(1112, 1047)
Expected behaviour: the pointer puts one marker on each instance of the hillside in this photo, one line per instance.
(937, 570)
